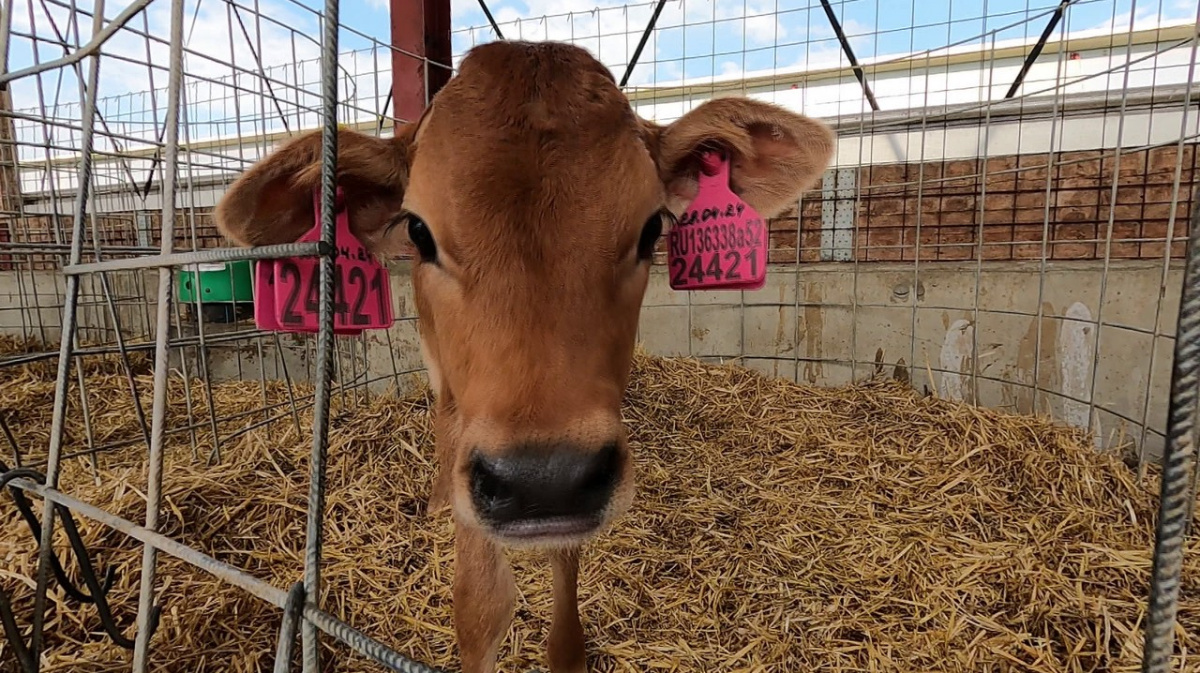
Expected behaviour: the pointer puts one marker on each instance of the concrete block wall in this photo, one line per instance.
(938, 211)
(931, 211)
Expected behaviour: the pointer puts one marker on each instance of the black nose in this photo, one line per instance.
(540, 488)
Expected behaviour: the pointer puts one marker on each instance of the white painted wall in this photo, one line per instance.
(1098, 70)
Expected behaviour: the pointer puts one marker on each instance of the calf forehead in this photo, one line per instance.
(516, 90)
(529, 103)
(535, 139)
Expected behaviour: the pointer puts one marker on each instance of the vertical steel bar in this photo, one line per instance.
(913, 294)
(86, 410)
(316, 485)
(201, 347)
(5, 31)
(1176, 183)
(420, 27)
(287, 380)
(54, 219)
(1108, 236)
(1179, 461)
(986, 144)
(1048, 196)
(66, 345)
(287, 628)
(158, 421)
(185, 372)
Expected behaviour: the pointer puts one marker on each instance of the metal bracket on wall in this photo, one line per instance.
(142, 225)
(838, 209)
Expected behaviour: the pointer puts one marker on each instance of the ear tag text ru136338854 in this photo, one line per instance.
(720, 242)
(287, 291)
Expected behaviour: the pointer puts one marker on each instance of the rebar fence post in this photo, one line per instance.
(292, 612)
(316, 488)
(67, 343)
(158, 421)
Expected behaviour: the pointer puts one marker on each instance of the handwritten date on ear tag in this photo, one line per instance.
(720, 242)
(288, 291)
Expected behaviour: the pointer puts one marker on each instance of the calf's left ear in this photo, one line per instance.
(776, 155)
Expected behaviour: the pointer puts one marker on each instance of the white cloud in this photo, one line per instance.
(757, 19)
(1147, 18)
(729, 69)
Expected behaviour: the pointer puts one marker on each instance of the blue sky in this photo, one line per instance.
(694, 39)
(698, 38)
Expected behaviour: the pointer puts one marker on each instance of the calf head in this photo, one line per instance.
(531, 197)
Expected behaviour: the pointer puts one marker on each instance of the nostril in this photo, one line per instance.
(487, 486)
(603, 470)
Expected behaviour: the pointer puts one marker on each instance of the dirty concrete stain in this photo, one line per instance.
(1076, 342)
(782, 344)
(781, 335)
(955, 360)
(1028, 360)
(1008, 391)
(814, 323)
(699, 333)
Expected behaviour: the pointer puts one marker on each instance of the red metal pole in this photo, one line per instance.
(421, 54)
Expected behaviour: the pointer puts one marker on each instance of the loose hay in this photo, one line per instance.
(777, 527)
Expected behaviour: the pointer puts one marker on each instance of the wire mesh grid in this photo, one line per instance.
(1004, 223)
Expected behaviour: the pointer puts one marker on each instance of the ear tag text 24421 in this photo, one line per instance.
(287, 291)
(720, 242)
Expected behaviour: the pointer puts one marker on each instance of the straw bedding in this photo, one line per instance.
(777, 527)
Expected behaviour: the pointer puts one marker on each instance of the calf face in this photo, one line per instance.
(531, 196)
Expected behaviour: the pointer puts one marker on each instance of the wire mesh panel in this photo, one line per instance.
(1004, 224)
(1036, 152)
(122, 127)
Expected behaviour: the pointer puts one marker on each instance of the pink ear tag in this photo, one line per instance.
(720, 242)
(264, 295)
(362, 293)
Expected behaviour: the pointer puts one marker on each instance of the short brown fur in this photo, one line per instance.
(535, 178)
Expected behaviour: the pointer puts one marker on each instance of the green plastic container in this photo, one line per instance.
(220, 282)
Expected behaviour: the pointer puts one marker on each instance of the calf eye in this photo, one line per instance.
(419, 234)
(650, 233)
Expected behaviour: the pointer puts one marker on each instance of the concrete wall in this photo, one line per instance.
(822, 324)
(825, 324)
(31, 304)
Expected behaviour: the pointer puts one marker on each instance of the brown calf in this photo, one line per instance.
(533, 196)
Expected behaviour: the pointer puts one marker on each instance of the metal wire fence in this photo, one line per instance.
(1005, 223)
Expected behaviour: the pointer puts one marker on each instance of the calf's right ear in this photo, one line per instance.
(272, 202)
(775, 154)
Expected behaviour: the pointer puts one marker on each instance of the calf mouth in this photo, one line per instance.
(549, 531)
